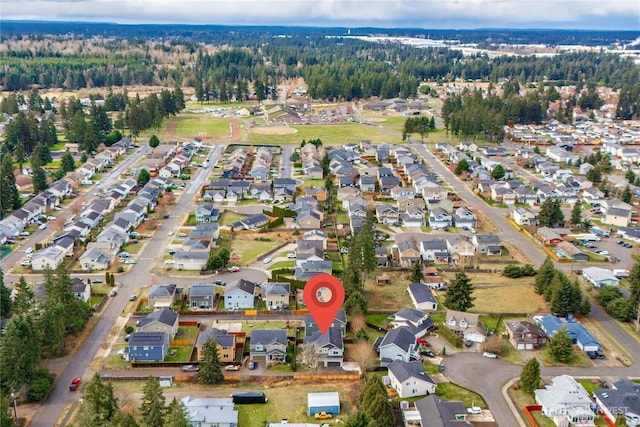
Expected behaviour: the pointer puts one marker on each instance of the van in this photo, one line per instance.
(474, 410)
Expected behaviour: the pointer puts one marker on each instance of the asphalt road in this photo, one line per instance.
(285, 162)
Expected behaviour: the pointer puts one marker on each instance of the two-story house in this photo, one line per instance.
(398, 344)
(466, 325)
(162, 296)
(268, 345)
(409, 379)
(239, 295)
(276, 295)
(225, 344)
(525, 335)
(202, 295)
(162, 320)
(329, 348)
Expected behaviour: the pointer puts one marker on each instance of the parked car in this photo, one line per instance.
(130, 261)
(595, 354)
(267, 260)
(291, 255)
(234, 269)
(182, 234)
(96, 281)
(322, 416)
(75, 383)
(468, 343)
(133, 298)
(25, 234)
(168, 261)
(220, 283)
(113, 293)
(28, 250)
(126, 337)
(474, 410)
(489, 355)
(42, 226)
(423, 342)
(189, 368)
(428, 353)
(252, 365)
(26, 263)
(231, 368)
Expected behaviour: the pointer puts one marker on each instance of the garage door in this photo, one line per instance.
(520, 347)
(529, 347)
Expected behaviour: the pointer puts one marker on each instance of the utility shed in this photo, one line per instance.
(323, 402)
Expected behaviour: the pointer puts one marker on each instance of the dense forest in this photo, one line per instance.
(335, 68)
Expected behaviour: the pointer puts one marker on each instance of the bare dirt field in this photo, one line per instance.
(274, 130)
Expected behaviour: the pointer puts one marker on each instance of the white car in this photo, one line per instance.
(42, 226)
(231, 368)
(489, 355)
(28, 250)
(267, 260)
(130, 261)
(474, 410)
(25, 263)
(168, 261)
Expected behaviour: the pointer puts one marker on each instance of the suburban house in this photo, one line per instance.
(328, 347)
(434, 250)
(316, 235)
(269, 345)
(276, 295)
(201, 295)
(566, 402)
(549, 236)
(207, 213)
(339, 322)
(464, 218)
(418, 322)
(147, 347)
(95, 258)
(80, 289)
(487, 244)
(439, 218)
(225, 343)
(600, 277)
(623, 397)
(433, 410)
(409, 379)
(525, 335)
(523, 216)
(210, 411)
(49, 257)
(619, 217)
(398, 344)
(239, 295)
(194, 259)
(162, 320)
(422, 296)
(406, 252)
(466, 325)
(579, 334)
(162, 296)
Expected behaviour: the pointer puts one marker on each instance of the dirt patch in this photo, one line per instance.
(171, 128)
(274, 130)
(375, 119)
(235, 130)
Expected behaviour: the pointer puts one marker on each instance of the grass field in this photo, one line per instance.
(507, 299)
(229, 217)
(330, 135)
(246, 249)
(388, 296)
(450, 391)
(191, 126)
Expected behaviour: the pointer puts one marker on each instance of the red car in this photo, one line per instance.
(234, 269)
(75, 383)
(423, 342)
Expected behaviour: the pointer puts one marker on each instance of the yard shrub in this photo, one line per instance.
(40, 385)
(452, 337)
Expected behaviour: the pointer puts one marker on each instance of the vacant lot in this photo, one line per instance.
(518, 298)
(387, 297)
(191, 126)
(229, 217)
(245, 248)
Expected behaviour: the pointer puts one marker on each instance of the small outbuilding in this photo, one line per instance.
(328, 402)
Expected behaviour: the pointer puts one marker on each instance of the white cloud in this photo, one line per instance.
(587, 14)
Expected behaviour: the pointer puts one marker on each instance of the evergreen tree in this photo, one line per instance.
(530, 376)
(210, 371)
(458, 296)
(143, 176)
(154, 141)
(550, 213)
(463, 166)
(123, 419)
(20, 352)
(416, 275)
(498, 172)
(5, 418)
(39, 176)
(585, 306)
(576, 214)
(626, 194)
(5, 298)
(374, 403)
(153, 403)
(102, 405)
(67, 164)
(566, 296)
(357, 419)
(177, 415)
(24, 297)
(634, 286)
(356, 302)
(560, 346)
(621, 420)
(10, 199)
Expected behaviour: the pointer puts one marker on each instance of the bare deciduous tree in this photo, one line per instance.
(494, 344)
(363, 354)
(310, 356)
(357, 322)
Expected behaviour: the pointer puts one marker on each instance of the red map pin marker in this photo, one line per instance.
(323, 295)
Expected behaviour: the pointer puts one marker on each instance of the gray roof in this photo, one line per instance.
(624, 394)
(162, 290)
(422, 293)
(191, 255)
(218, 335)
(269, 336)
(618, 212)
(333, 337)
(405, 370)
(404, 245)
(242, 284)
(164, 315)
(277, 288)
(401, 337)
(149, 339)
(441, 413)
(201, 289)
(341, 317)
(411, 314)
(435, 244)
(488, 239)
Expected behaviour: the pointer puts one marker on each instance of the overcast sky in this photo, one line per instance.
(457, 14)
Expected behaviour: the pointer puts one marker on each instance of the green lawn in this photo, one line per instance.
(182, 353)
(313, 183)
(431, 368)
(377, 319)
(512, 298)
(249, 251)
(330, 134)
(202, 126)
(450, 391)
(187, 333)
(229, 217)
(579, 358)
(589, 386)
(132, 248)
(282, 264)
